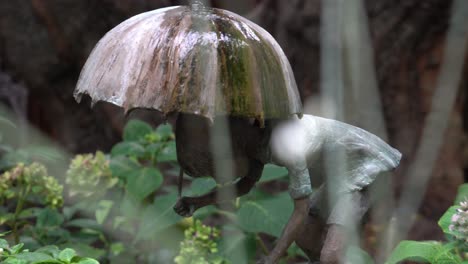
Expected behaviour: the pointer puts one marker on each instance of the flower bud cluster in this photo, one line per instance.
(33, 179)
(89, 174)
(199, 246)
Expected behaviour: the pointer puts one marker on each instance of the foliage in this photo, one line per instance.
(200, 246)
(130, 198)
(17, 254)
(454, 223)
(120, 200)
(24, 184)
(126, 193)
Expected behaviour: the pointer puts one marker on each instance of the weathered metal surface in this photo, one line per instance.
(198, 60)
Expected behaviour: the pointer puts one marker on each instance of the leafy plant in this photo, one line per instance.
(121, 207)
(124, 192)
(454, 223)
(17, 254)
(27, 185)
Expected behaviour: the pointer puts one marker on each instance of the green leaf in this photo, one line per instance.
(35, 258)
(130, 208)
(425, 252)
(84, 223)
(272, 172)
(238, 247)
(118, 221)
(121, 167)
(3, 234)
(201, 186)
(154, 148)
(164, 130)
(51, 250)
(67, 255)
(86, 250)
(88, 261)
(158, 216)
(268, 216)
(16, 248)
(29, 213)
(358, 255)
(136, 130)
(447, 256)
(117, 248)
(6, 218)
(168, 153)
(49, 218)
(462, 194)
(133, 149)
(57, 233)
(143, 182)
(446, 220)
(294, 250)
(104, 207)
(13, 260)
(3, 243)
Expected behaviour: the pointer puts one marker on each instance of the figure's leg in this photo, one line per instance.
(313, 229)
(348, 210)
(312, 233)
(187, 205)
(326, 240)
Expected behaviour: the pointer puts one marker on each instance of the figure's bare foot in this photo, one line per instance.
(184, 208)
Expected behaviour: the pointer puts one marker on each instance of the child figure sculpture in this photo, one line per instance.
(336, 159)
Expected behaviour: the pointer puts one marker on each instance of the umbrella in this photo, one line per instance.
(192, 59)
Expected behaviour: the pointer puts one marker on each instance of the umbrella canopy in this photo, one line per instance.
(192, 59)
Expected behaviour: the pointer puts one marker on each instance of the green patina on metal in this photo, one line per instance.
(240, 71)
(236, 71)
(274, 96)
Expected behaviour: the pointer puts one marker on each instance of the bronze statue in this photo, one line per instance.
(207, 63)
(302, 146)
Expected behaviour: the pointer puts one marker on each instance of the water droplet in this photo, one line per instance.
(78, 96)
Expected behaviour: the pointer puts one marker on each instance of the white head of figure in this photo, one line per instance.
(289, 143)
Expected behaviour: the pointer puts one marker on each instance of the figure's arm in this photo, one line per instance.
(300, 190)
(291, 230)
(187, 205)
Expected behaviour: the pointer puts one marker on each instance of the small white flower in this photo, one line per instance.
(459, 222)
(464, 205)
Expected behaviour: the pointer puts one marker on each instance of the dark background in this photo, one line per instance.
(44, 44)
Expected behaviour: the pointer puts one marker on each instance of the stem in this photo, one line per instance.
(262, 245)
(19, 208)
